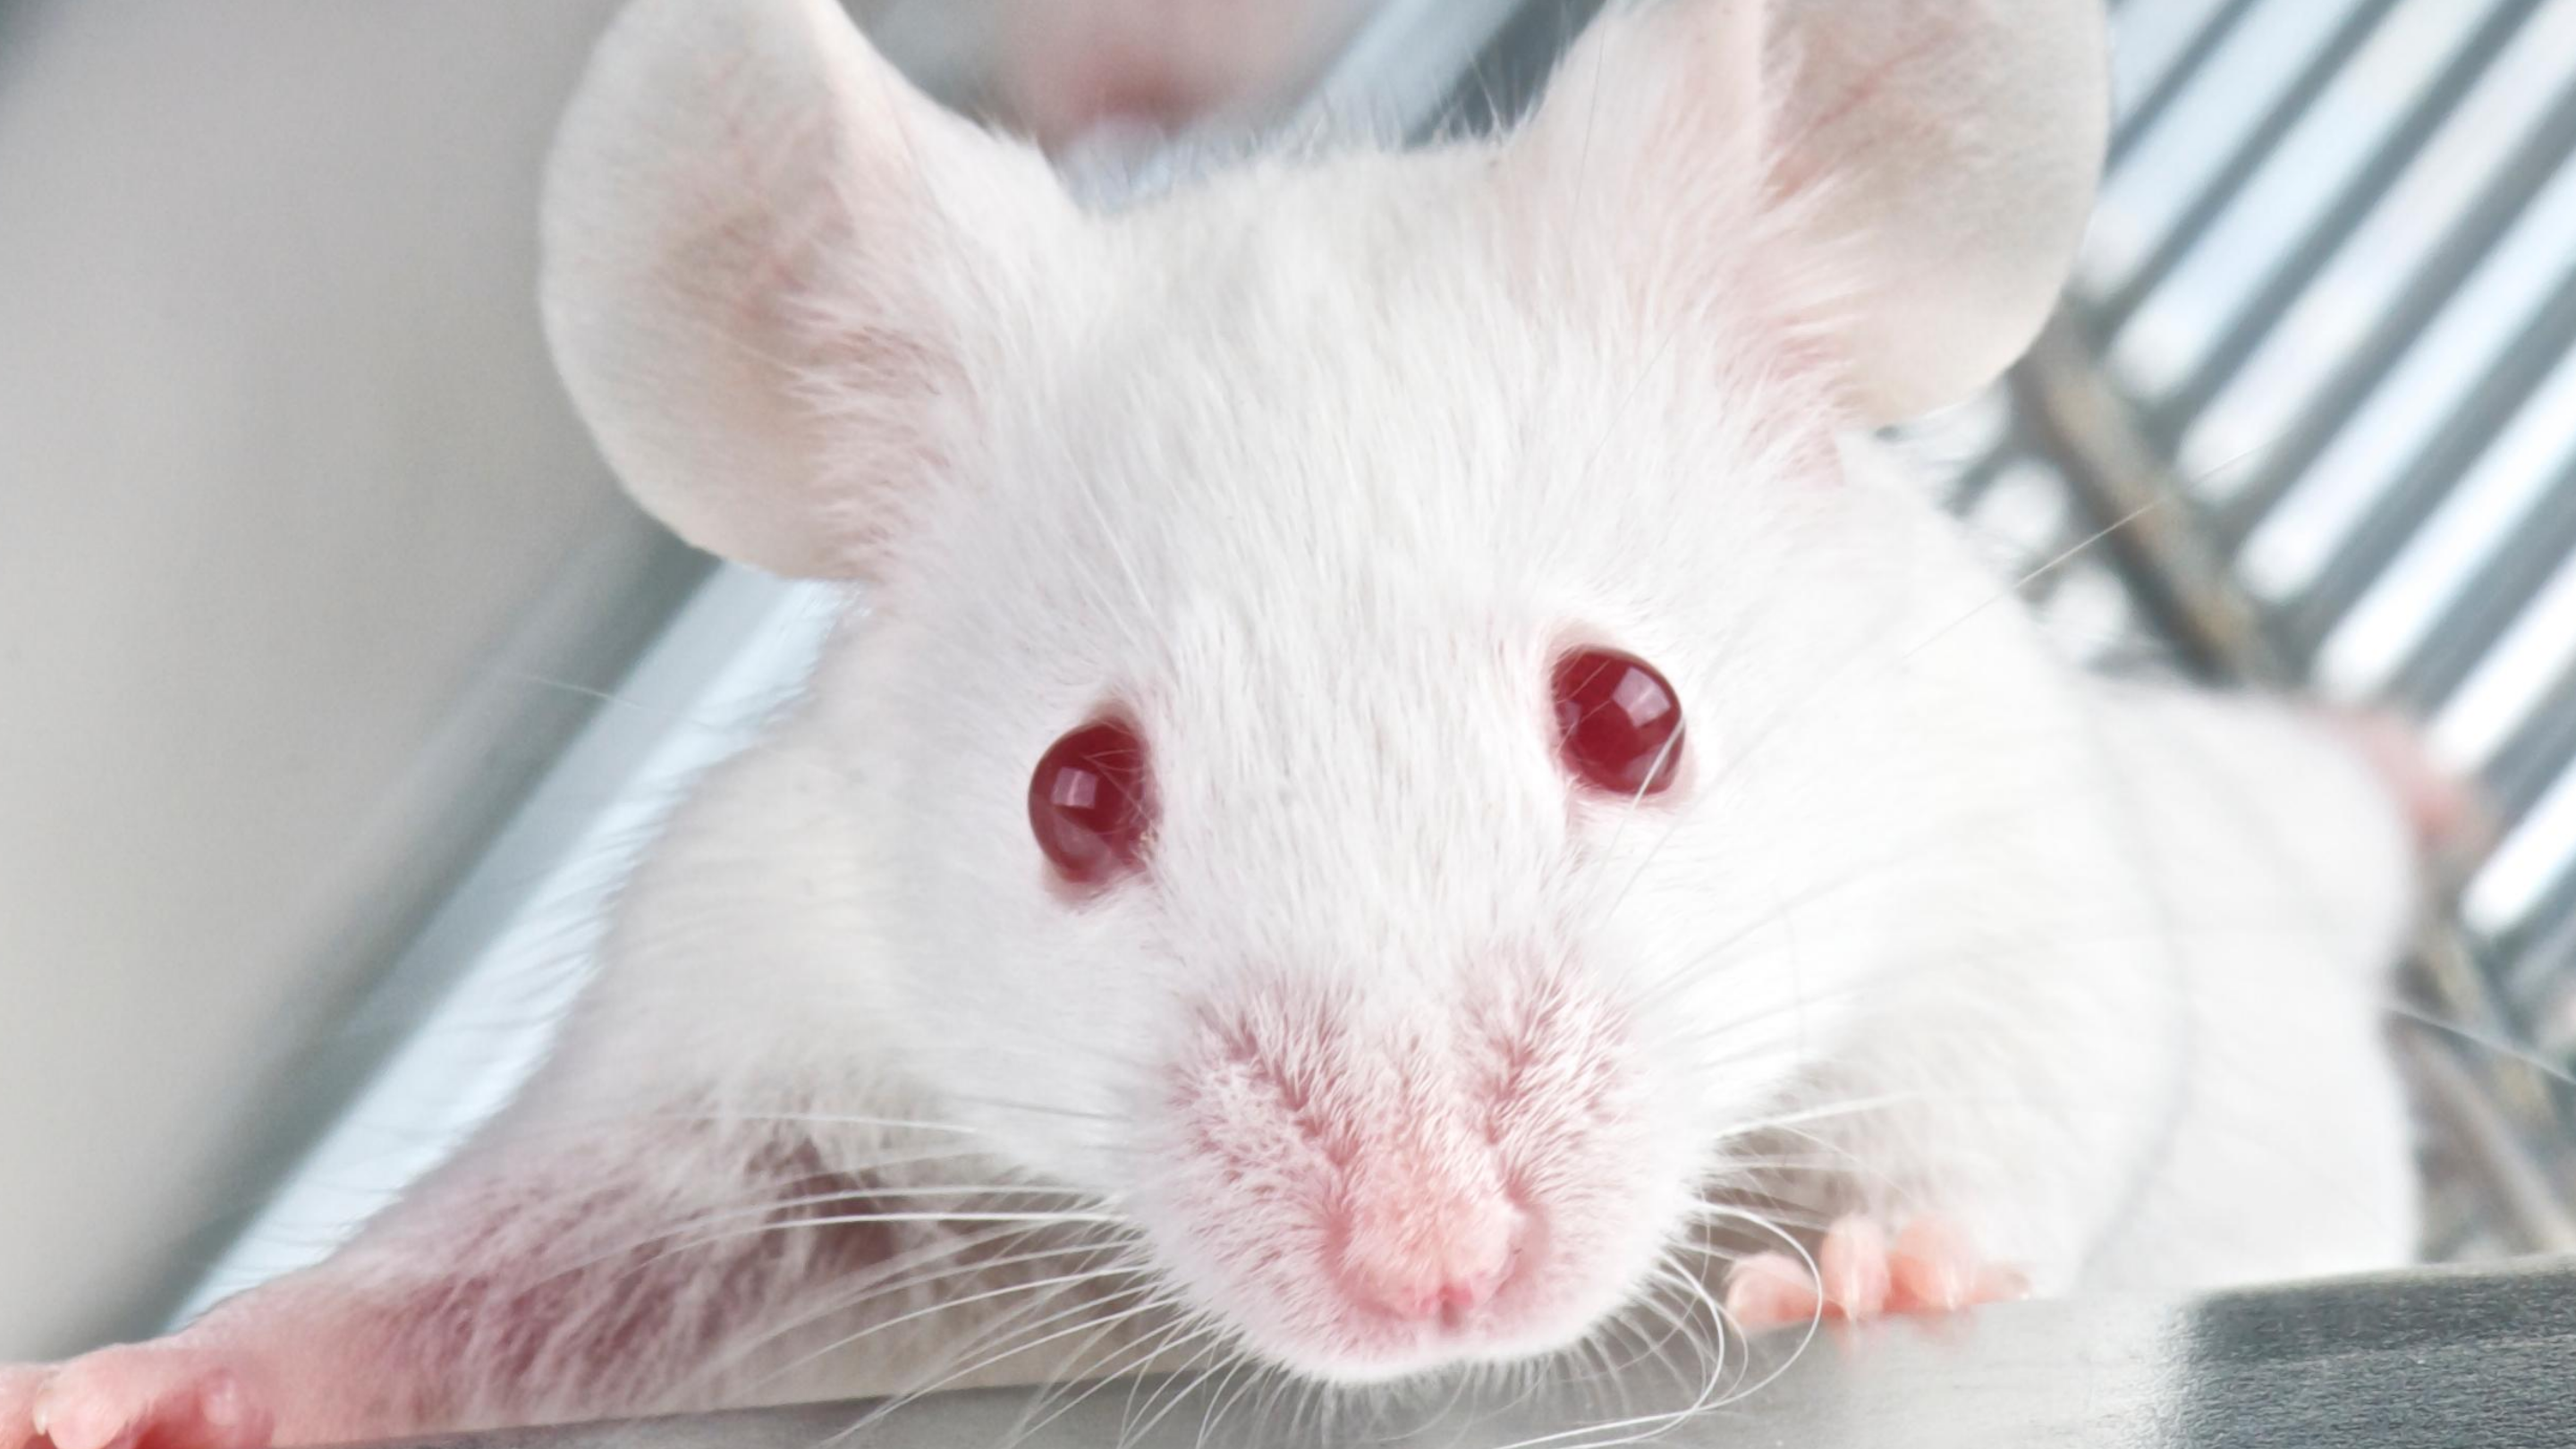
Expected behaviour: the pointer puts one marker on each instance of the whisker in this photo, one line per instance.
(1057, 1284)
(1156, 1304)
(1222, 1406)
(808, 1119)
(898, 1402)
(1178, 1388)
(1070, 1219)
(947, 1261)
(1078, 1371)
(1001, 1104)
(2484, 1041)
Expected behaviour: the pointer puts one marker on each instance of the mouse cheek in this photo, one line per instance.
(1363, 1204)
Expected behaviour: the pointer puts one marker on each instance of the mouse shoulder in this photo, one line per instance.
(746, 932)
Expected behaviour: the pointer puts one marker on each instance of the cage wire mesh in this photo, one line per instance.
(2308, 416)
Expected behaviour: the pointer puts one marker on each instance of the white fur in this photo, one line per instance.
(1310, 472)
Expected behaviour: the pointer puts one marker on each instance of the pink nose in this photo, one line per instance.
(1436, 1266)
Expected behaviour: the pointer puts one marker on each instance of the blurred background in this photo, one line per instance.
(337, 681)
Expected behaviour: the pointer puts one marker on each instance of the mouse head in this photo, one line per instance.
(1361, 651)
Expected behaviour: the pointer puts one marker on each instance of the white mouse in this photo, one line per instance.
(1408, 787)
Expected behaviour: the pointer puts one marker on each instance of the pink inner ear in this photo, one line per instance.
(1807, 146)
(1891, 189)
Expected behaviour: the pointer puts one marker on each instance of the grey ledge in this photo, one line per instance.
(2448, 1358)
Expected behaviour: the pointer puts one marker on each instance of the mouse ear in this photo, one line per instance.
(1928, 163)
(770, 266)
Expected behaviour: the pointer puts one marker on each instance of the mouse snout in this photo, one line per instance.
(1422, 1252)
(1367, 1194)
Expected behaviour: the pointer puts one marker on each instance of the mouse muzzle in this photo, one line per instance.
(1368, 1189)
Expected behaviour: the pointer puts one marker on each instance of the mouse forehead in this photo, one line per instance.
(1292, 377)
(1367, 655)
(1318, 440)
(1378, 356)
(1387, 752)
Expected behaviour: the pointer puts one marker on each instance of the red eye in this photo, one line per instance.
(1617, 722)
(1090, 804)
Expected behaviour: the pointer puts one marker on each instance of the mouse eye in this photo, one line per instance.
(1618, 723)
(1090, 804)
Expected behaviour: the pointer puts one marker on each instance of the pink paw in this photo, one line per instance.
(2450, 816)
(142, 1396)
(1859, 1274)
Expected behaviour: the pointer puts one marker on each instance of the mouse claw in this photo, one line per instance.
(1771, 1290)
(1934, 1269)
(1854, 1263)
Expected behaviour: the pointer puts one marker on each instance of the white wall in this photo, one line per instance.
(290, 508)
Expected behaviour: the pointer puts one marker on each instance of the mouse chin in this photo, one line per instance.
(1328, 1336)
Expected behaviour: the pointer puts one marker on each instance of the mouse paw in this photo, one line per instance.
(2449, 815)
(159, 1395)
(1860, 1273)
(18, 1385)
